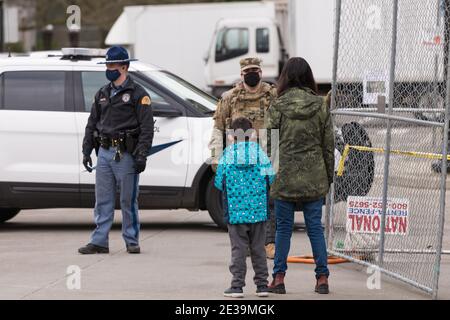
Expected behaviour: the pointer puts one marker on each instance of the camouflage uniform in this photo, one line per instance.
(238, 102)
(306, 146)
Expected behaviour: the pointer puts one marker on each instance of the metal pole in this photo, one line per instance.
(2, 24)
(292, 10)
(437, 264)
(330, 198)
(337, 30)
(436, 70)
(389, 130)
(345, 112)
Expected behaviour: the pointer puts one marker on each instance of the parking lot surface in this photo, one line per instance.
(184, 256)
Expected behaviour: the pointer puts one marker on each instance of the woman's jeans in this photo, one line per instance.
(284, 212)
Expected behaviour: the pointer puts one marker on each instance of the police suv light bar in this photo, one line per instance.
(82, 53)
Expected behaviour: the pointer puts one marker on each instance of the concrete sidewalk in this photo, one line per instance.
(184, 256)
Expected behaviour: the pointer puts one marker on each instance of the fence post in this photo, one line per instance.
(330, 197)
(388, 133)
(440, 235)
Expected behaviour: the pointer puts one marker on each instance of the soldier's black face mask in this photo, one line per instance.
(112, 75)
(252, 79)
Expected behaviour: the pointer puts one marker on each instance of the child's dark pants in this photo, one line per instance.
(244, 237)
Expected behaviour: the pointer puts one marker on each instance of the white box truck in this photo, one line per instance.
(177, 37)
(300, 28)
(307, 28)
(204, 43)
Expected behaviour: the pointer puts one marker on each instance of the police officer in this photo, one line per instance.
(120, 128)
(250, 98)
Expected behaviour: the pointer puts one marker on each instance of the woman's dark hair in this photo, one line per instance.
(296, 74)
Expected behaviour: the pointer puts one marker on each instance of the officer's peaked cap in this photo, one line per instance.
(117, 54)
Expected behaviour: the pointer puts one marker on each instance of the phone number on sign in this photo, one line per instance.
(377, 205)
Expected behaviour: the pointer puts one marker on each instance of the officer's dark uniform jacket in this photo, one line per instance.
(128, 109)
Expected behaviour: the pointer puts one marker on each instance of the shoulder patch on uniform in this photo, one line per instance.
(146, 101)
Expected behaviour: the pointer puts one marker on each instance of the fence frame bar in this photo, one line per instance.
(330, 196)
(388, 131)
(440, 231)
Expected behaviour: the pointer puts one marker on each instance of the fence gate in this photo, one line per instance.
(390, 108)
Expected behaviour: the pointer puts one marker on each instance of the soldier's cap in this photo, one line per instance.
(248, 63)
(117, 54)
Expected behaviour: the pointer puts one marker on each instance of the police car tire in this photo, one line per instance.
(7, 214)
(214, 204)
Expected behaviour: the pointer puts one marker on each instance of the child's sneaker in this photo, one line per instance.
(262, 291)
(234, 292)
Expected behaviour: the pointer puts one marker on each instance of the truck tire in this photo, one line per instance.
(430, 100)
(214, 204)
(360, 166)
(7, 214)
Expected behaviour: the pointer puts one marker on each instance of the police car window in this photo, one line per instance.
(156, 98)
(34, 90)
(184, 90)
(262, 40)
(231, 43)
(94, 80)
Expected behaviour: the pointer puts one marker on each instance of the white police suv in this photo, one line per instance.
(45, 100)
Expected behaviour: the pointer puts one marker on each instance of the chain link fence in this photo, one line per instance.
(390, 95)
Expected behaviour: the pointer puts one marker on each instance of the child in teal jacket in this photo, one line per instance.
(244, 175)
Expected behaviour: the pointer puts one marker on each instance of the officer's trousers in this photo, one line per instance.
(110, 176)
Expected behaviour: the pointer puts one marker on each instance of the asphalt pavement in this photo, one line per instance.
(184, 256)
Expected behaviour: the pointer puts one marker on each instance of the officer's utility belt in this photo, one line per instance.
(106, 142)
(125, 141)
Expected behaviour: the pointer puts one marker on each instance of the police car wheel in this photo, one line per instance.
(214, 204)
(7, 214)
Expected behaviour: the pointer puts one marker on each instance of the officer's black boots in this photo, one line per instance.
(92, 249)
(133, 249)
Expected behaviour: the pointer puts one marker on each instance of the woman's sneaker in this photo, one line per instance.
(262, 291)
(234, 292)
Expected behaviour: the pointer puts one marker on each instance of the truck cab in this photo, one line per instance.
(235, 39)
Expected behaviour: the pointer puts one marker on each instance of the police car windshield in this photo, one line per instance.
(196, 97)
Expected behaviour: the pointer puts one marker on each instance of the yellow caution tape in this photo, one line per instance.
(347, 148)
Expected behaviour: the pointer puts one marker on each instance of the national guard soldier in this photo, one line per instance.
(250, 99)
(120, 129)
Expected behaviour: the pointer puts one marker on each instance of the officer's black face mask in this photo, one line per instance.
(112, 75)
(252, 79)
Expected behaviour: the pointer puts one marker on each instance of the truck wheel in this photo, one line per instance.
(430, 100)
(7, 214)
(359, 166)
(214, 204)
